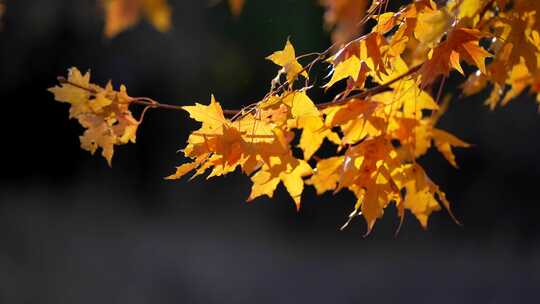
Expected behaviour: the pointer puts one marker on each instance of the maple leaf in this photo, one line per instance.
(97, 135)
(327, 174)
(211, 116)
(373, 198)
(357, 60)
(356, 120)
(286, 58)
(313, 134)
(267, 179)
(350, 68)
(74, 94)
(422, 195)
(408, 97)
(366, 172)
(431, 25)
(301, 105)
(307, 117)
(303, 114)
(444, 142)
(371, 52)
(462, 43)
(407, 25)
(123, 14)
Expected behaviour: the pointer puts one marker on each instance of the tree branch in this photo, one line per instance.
(151, 103)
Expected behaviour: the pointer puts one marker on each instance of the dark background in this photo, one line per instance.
(73, 230)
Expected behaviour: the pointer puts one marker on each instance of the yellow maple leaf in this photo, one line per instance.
(444, 142)
(432, 25)
(286, 58)
(373, 200)
(345, 69)
(210, 115)
(76, 94)
(327, 174)
(267, 179)
(301, 105)
(422, 195)
(314, 132)
(307, 117)
(97, 135)
(372, 51)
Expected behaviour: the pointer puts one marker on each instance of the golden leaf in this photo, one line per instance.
(444, 142)
(266, 181)
(432, 25)
(462, 43)
(286, 58)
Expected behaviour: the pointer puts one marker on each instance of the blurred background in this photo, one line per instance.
(73, 230)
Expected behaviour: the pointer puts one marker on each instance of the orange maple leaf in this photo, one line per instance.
(461, 44)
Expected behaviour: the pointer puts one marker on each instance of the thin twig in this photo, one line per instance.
(373, 91)
(143, 101)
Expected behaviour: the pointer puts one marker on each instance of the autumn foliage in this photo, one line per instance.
(390, 95)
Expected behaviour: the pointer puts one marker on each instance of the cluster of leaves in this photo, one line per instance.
(103, 112)
(514, 30)
(382, 119)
